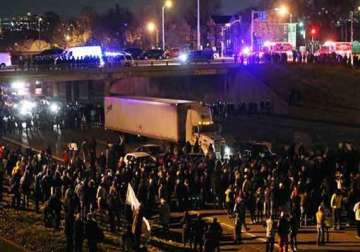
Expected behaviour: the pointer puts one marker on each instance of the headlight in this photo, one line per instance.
(227, 151)
(54, 108)
(26, 107)
(184, 57)
(18, 85)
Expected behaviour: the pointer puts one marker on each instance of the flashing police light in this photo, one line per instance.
(184, 57)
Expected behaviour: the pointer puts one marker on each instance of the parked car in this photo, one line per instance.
(120, 58)
(156, 54)
(139, 157)
(152, 149)
(253, 149)
(172, 53)
(201, 56)
(136, 53)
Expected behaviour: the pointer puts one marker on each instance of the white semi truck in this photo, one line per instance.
(5, 59)
(164, 119)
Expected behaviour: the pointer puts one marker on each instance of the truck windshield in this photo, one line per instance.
(209, 128)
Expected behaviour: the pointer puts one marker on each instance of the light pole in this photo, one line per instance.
(168, 4)
(39, 24)
(198, 26)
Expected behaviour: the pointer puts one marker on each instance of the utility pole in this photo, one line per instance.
(163, 27)
(198, 26)
(351, 35)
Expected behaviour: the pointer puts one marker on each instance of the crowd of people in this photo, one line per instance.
(298, 57)
(287, 191)
(46, 115)
(63, 62)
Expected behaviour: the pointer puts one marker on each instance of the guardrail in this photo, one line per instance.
(91, 66)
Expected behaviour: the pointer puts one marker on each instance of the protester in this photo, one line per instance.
(186, 229)
(283, 231)
(215, 233)
(93, 233)
(336, 204)
(320, 226)
(240, 215)
(294, 229)
(270, 234)
(199, 231)
(78, 234)
(164, 215)
(357, 218)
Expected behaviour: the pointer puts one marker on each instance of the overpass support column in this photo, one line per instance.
(56, 89)
(75, 91)
(68, 88)
(107, 87)
(226, 86)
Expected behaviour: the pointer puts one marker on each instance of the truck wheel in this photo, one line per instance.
(2, 65)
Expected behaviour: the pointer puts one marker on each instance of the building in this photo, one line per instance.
(231, 34)
(27, 23)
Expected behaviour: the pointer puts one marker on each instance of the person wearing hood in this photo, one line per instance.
(93, 233)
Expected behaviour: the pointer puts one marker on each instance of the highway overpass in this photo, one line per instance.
(115, 73)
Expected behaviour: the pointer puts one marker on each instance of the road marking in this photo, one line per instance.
(232, 228)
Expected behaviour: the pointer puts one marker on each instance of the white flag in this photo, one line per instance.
(146, 228)
(131, 198)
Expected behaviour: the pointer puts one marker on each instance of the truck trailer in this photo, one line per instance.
(170, 120)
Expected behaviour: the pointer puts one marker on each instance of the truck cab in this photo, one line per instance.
(201, 128)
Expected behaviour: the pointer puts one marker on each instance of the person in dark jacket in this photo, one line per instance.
(239, 211)
(69, 231)
(78, 234)
(186, 228)
(199, 229)
(54, 206)
(294, 229)
(283, 231)
(38, 191)
(93, 233)
(113, 204)
(128, 240)
(215, 233)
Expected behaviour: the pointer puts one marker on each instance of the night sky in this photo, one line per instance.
(72, 7)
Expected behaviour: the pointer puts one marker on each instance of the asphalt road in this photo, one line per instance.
(274, 128)
(254, 239)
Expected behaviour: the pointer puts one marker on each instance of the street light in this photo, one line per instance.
(284, 11)
(168, 4)
(39, 24)
(198, 26)
(67, 38)
(152, 28)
